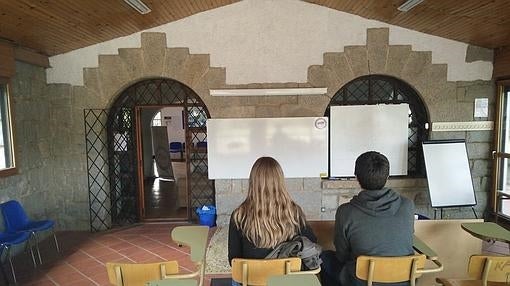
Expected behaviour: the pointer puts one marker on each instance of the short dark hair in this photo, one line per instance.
(372, 170)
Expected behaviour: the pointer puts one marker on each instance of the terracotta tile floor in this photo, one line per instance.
(83, 255)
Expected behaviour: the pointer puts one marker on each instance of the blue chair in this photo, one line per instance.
(11, 244)
(177, 147)
(202, 144)
(16, 221)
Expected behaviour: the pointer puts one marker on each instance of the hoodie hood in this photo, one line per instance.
(384, 202)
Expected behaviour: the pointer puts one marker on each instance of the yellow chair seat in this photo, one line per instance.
(294, 280)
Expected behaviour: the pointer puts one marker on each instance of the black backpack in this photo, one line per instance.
(302, 247)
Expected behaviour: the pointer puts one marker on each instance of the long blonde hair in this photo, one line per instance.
(268, 215)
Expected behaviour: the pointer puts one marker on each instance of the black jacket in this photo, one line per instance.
(240, 247)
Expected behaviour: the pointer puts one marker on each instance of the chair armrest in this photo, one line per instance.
(182, 276)
(439, 268)
(422, 248)
(197, 273)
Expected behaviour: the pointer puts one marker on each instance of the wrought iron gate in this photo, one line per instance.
(201, 188)
(97, 168)
(112, 196)
(111, 151)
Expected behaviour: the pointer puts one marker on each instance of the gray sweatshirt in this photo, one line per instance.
(376, 223)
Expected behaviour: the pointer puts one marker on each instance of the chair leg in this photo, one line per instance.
(56, 241)
(31, 249)
(12, 270)
(36, 236)
(6, 252)
(202, 274)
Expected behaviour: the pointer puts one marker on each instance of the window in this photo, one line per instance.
(7, 165)
(156, 120)
(380, 89)
(501, 192)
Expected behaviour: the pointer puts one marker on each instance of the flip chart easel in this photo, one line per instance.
(448, 175)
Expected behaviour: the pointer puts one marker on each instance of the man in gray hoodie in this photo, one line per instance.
(376, 222)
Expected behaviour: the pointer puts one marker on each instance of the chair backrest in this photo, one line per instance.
(126, 274)
(389, 269)
(294, 280)
(257, 271)
(489, 268)
(195, 237)
(14, 215)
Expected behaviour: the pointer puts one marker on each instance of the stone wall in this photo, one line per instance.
(50, 182)
(50, 128)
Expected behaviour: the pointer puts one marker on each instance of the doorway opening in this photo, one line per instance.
(163, 139)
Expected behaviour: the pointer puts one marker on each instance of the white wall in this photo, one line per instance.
(272, 41)
(174, 126)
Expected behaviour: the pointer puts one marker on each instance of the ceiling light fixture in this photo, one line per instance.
(408, 5)
(139, 6)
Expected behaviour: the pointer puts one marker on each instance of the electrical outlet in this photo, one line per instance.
(323, 209)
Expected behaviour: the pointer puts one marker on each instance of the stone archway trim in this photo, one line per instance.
(154, 59)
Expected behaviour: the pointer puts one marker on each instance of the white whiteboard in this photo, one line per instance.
(299, 144)
(448, 174)
(356, 129)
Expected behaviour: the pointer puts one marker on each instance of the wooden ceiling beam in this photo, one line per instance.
(8, 66)
(502, 63)
(28, 56)
(59, 26)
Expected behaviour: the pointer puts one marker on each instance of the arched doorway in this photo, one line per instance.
(124, 191)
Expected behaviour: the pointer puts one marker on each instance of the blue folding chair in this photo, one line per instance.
(16, 221)
(177, 147)
(11, 244)
(202, 144)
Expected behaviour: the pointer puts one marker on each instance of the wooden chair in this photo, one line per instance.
(257, 271)
(196, 238)
(294, 280)
(393, 269)
(483, 270)
(125, 274)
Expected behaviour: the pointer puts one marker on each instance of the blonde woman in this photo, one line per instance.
(267, 217)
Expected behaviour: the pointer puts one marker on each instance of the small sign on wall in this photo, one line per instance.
(168, 120)
(481, 107)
